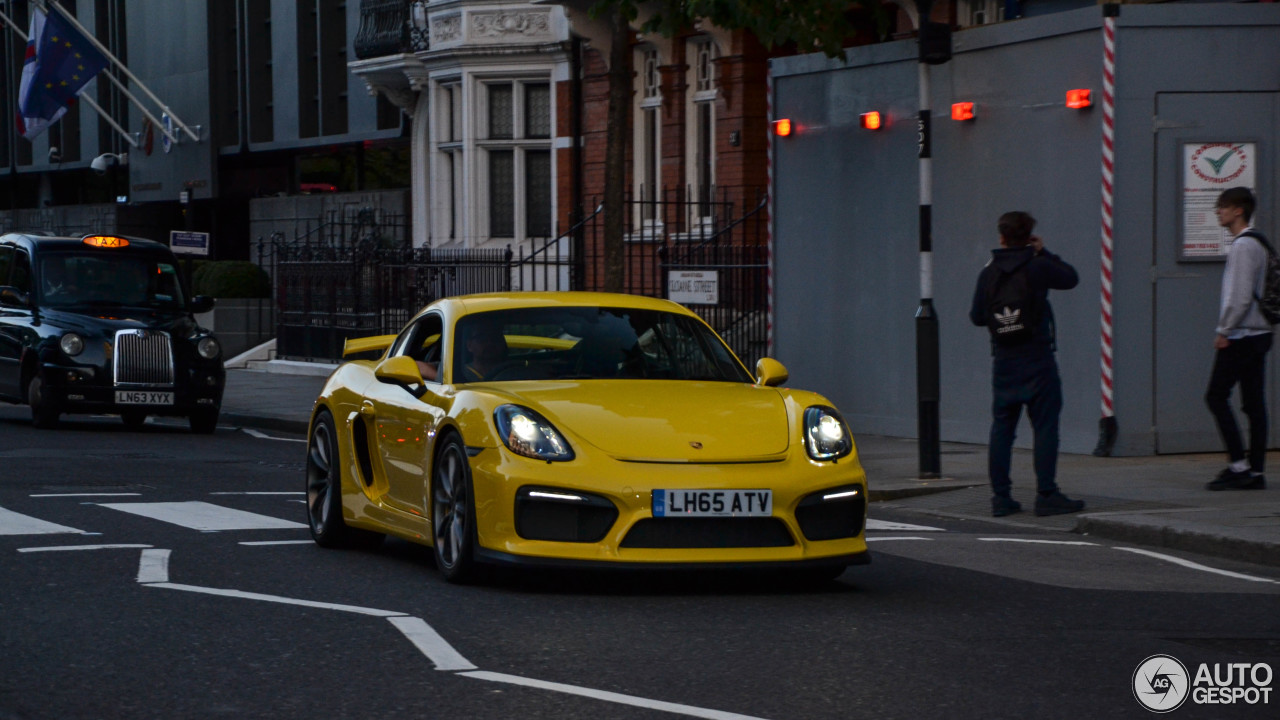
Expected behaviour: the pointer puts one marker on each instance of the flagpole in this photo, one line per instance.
(87, 100)
(132, 78)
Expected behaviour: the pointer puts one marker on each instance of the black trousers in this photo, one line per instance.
(1244, 361)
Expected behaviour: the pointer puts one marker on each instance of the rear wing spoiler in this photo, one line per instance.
(358, 346)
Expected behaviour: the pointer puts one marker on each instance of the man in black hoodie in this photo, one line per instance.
(1024, 370)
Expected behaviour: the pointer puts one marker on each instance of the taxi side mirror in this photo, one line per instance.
(770, 372)
(399, 370)
(201, 304)
(10, 295)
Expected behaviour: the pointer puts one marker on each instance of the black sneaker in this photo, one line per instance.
(1057, 504)
(1252, 482)
(1230, 479)
(1002, 505)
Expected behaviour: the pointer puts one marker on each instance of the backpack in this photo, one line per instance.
(1013, 309)
(1269, 300)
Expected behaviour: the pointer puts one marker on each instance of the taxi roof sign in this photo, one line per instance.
(105, 241)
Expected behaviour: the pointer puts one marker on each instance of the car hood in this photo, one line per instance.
(108, 320)
(666, 421)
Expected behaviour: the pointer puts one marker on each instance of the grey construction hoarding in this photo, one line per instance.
(1197, 109)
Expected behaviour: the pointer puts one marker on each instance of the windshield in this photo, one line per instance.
(67, 279)
(563, 343)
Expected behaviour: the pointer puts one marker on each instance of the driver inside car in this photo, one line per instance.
(486, 351)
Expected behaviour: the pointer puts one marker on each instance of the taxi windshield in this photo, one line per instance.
(76, 279)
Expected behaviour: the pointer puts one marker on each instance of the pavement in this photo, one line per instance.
(1155, 501)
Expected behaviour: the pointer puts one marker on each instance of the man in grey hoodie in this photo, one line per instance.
(1242, 341)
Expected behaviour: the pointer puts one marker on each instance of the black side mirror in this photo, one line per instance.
(201, 304)
(10, 295)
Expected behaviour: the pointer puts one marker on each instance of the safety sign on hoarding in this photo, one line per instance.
(1207, 170)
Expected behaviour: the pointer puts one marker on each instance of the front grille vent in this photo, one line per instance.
(708, 532)
(143, 358)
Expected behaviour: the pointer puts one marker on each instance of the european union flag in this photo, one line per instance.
(59, 63)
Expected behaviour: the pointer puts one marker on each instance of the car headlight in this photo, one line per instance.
(527, 433)
(71, 344)
(208, 347)
(825, 435)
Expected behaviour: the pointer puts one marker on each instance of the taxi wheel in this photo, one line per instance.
(133, 419)
(324, 491)
(453, 512)
(204, 421)
(44, 412)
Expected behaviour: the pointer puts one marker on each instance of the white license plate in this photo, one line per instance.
(712, 503)
(144, 397)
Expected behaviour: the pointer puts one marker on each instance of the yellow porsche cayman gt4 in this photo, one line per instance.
(583, 429)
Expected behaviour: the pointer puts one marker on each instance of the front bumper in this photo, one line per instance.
(82, 389)
(631, 540)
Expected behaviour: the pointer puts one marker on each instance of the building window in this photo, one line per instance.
(702, 124)
(517, 151)
(648, 136)
(982, 12)
(448, 188)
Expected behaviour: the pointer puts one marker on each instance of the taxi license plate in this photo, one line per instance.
(712, 503)
(144, 397)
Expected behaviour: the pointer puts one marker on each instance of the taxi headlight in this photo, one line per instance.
(208, 348)
(527, 433)
(71, 344)
(825, 435)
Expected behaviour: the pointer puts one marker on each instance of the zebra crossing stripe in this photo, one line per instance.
(204, 516)
(12, 523)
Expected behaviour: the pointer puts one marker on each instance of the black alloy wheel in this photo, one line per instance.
(453, 512)
(44, 411)
(324, 491)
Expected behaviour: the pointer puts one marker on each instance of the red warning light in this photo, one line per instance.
(962, 111)
(782, 128)
(1079, 98)
(870, 120)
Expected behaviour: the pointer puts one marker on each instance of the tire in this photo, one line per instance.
(133, 419)
(453, 512)
(204, 422)
(44, 412)
(324, 491)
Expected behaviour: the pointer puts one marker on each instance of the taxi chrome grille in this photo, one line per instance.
(143, 358)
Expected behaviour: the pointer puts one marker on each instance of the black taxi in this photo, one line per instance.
(100, 324)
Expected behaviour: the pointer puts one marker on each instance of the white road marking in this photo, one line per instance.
(62, 548)
(608, 696)
(276, 599)
(50, 495)
(277, 542)
(264, 436)
(204, 516)
(249, 492)
(154, 567)
(881, 539)
(1198, 566)
(155, 564)
(12, 523)
(873, 524)
(429, 642)
(1039, 542)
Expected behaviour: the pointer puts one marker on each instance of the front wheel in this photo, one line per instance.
(453, 512)
(44, 411)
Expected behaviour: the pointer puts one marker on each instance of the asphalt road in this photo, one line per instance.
(206, 599)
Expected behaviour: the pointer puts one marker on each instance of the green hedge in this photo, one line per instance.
(231, 279)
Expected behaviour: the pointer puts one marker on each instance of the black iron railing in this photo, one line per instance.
(390, 27)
